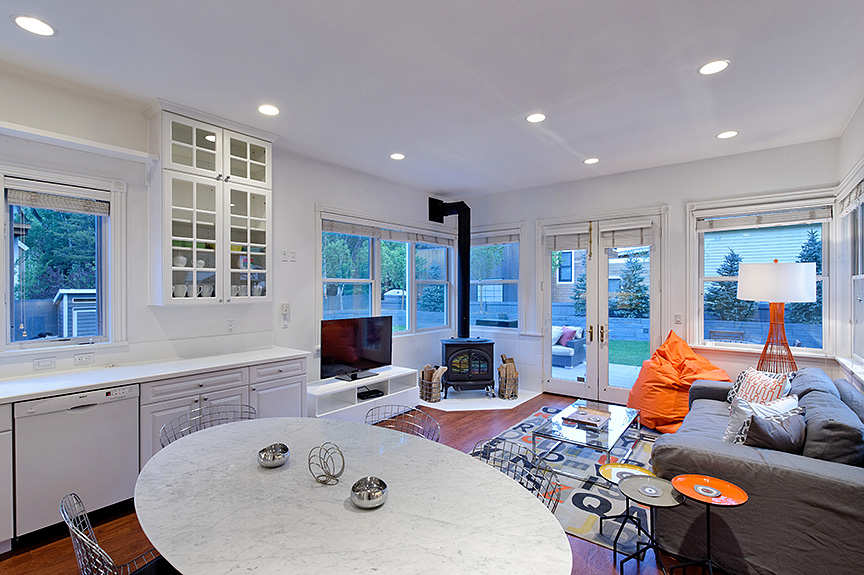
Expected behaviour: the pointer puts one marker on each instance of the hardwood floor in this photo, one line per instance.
(121, 536)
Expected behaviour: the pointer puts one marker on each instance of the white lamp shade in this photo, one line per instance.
(776, 282)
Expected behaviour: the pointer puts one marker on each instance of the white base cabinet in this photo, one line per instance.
(6, 524)
(274, 389)
(337, 399)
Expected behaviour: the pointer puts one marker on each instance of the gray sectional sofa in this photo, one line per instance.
(805, 513)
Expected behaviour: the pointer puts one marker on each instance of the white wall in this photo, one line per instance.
(792, 168)
(852, 145)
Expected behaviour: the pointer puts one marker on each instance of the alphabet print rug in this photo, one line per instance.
(583, 502)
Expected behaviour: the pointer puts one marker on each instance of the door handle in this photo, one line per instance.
(590, 333)
(602, 333)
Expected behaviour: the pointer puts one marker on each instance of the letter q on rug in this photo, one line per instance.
(584, 501)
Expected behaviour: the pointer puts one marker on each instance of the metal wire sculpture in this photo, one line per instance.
(522, 464)
(326, 463)
(405, 419)
(204, 417)
(92, 559)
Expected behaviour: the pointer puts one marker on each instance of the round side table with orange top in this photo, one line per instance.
(710, 491)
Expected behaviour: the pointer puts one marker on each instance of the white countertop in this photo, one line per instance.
(208, 507)
(38, 386)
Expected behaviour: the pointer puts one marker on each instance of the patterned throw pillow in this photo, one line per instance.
(760, 386)
(742, 409)
(756, 420)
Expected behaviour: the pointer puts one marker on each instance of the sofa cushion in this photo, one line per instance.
(563, 351)
(742, 409)
(706, 420)
(567, 334)
(759, 386)
(851, 397)
(784, 434)
(557, 330)
(812, 379)
(834, 432)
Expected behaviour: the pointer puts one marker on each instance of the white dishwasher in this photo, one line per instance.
(85, 443)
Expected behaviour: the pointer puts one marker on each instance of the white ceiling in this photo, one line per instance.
(449, 82)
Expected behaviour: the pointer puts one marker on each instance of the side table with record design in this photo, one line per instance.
(652, 492)
(710, 491)
(614, 473)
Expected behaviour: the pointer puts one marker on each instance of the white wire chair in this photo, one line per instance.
(522, 464)
(204, 417)
(406, 419)
(92, 559)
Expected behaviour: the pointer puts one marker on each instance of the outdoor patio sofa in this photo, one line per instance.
(804, 512)
(570, 354)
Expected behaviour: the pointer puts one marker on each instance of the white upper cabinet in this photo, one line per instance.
(205, 150)
(210, 213)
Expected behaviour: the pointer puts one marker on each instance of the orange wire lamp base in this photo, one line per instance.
(776, 356)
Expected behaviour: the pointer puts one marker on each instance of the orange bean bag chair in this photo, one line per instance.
(662, 388)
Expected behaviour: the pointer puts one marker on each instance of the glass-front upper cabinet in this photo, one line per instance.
(215, 255)
(202, 149)
(249, 214)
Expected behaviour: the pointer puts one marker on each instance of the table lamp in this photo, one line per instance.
(777, 284)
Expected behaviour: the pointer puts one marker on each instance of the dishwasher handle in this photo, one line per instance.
(82, 407)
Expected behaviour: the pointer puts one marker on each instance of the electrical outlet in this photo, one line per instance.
(284, 255)
(292, 256)
(230, 326)
(84, 358)
(45, 363)
(678, 318)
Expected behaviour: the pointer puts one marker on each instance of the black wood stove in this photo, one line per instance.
(469, 360)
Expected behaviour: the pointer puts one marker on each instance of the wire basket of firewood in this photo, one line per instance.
(430, 383)
(508, 378)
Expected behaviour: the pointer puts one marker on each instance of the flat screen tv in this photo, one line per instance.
(350, 347)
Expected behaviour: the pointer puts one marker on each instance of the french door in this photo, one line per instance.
(601, 299)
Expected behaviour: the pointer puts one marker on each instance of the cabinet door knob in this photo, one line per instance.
(194, 401)
(253, 389)
(227, 178)
(279, 370)
(200, 384)
(204, 398)
(219, 178)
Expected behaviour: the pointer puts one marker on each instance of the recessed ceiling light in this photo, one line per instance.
(590, 161)
(268, 110)
(535, 118)
(397, 156)
(35, 25)
(714, 67)
(727, 135)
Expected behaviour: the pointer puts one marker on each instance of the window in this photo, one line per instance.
(394, 282)
(369, 271)
(495, 285)
(856, 217)
(347, 274)
(784, 234)
(58, 264)
(565, 267)
(431, 273)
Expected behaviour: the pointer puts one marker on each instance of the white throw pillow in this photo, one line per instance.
(557, 330)
(742, 409)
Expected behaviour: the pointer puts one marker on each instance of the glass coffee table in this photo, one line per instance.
(593, 425)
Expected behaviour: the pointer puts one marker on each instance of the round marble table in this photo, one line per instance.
(208, 507)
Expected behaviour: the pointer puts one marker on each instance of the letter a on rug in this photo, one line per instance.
(583, 502)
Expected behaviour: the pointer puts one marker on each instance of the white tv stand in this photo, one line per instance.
(337, 399)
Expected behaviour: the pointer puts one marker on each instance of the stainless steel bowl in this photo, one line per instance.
(273, 455)
(369, 492)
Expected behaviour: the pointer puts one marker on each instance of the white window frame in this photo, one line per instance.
(113, 262)
(807, 200)
(501, 235)
(558, 271)
(381, 228)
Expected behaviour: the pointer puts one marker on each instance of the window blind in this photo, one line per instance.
(852, 200)
(570, 241)
(808, 215)
(641, 234)
(58, 203)
(360, 229)
(495, 238)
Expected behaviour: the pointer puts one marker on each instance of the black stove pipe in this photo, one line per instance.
(437, 210)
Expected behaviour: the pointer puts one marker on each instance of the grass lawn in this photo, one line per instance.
(625, 352)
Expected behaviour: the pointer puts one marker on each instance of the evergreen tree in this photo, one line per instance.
(809, 312)
(633, 299)
(580, 288)
(721, 298)
(432, 295)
